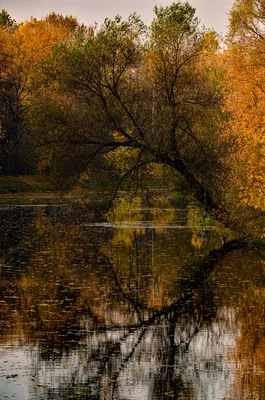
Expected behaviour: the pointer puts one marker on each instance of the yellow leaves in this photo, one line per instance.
(30, 44)
(123, 158)
(245, 103)
(210, 42)
(3, 74)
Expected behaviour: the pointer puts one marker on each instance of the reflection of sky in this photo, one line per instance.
(209, 371)
(204, 367)
(15, 373)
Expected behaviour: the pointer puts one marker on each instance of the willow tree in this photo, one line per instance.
(147, 90)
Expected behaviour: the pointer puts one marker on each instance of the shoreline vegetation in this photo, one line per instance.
(34, 188)
(26, 184)
(43, 183)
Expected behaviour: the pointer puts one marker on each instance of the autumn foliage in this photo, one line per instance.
(124, 96)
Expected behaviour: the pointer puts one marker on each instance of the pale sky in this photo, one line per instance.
(212, 13)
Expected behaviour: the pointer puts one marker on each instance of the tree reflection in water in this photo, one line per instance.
(131, 312)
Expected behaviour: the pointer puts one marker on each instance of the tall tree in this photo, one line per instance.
(146, 89)
(244, 96)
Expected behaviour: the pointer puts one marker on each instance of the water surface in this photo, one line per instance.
(94, 309)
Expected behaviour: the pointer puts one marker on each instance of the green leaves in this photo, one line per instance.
(247, 20)
(178, 17)
(6, 20)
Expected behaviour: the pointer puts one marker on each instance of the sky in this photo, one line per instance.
(212, 13)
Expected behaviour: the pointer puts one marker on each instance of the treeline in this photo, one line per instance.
(126, 98)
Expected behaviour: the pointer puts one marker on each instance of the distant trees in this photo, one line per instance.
(6, 20)
(9, 112)
(23, 49)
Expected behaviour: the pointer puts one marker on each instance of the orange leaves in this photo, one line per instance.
(24, 50)
(34, 41)
(30, 44)
(245, 104)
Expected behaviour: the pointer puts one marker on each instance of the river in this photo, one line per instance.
(121, 307)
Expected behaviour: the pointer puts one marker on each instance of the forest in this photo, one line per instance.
(131, 102)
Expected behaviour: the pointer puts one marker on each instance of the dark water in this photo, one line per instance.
(124, 308)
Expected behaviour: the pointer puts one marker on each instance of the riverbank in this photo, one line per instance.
(35, 189)
(27, 183)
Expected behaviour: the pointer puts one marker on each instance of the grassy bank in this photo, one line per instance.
(44, 183)
(31, 188)
(26, 183)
